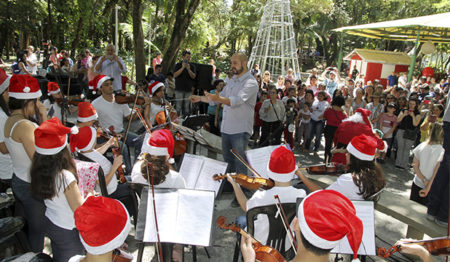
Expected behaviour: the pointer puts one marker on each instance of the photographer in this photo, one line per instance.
(184, 74)
(332, 82)
(112, 66)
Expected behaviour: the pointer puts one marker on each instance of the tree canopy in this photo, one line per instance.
(209, 28)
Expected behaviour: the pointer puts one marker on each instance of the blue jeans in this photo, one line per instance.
(239, 143)
(34, 209)
(315, 130)
(65, 243)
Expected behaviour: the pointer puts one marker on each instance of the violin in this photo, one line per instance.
(120, 255)
(327, 170)
(263, 253)
(128, 99)
(436, 246)
(116, 152)
(252, 183)
(70, 101)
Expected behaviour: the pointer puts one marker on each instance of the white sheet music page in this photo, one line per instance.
(366, 212)
(209, 168)
(184, 216)
(195, 211)
(259, 158)
(190, 168)
(167, 217)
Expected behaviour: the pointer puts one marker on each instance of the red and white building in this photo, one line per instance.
(377, 64)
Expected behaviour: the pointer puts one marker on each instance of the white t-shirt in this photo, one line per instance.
(319, 108)
(76, 258)
(6, 167)
(106, 167)
(345, 185)
(55, 107)
(173, 178)
(58, 209)
(305, 113)
(32, 59)
(154, 110)
(266, 197)
(429, 156)
(111, 114)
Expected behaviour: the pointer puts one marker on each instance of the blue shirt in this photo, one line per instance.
(392, 80)
(238, 116)
(330, 85)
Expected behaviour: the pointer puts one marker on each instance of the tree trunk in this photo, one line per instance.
(76, 40)
(49, 31)
(138, 39)
(183, 19)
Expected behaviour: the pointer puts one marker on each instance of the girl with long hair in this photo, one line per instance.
(54, 179)
(365, 178)
(26, 113)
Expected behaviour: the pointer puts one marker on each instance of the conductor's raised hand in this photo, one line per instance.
(212, 97)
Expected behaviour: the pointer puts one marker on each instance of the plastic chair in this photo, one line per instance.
(277, 232)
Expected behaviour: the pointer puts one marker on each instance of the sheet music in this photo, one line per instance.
(184, 216)
(190, 169)
(366, 212)
(258, 159)
(198, 171)
(205, 180)
(195, 211)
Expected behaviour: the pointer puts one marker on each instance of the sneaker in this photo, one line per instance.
(441, 223)
(430, 217)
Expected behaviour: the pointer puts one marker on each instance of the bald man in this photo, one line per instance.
(238, 98)
(113, 66)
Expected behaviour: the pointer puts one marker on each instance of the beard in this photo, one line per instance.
(237, 71)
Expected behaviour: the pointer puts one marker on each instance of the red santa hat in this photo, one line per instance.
(365, 113)
(364, 147)
(160, 143)
(326, 216)
(4, 80)
(51, 136)
(97, 82)
(84, 140)
(86, 112)
(281, 165)
(24, 87)
(154, 86)
(103, 224)
(53, 88)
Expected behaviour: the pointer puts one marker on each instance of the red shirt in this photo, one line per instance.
(333, 117)
(124, 82)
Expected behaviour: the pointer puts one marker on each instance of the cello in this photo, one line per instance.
(263, 253)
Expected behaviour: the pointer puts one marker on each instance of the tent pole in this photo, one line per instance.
(341, 44)
(414, 56)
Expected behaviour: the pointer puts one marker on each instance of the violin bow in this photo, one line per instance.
(159, 247)
(243, 161)
(285, 223)
(129, 121)
(138, 111)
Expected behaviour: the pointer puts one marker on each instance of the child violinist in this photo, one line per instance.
(51, 103)
(281, 169)
(154, 168)
(85, 143)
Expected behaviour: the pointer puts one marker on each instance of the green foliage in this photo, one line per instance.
(217, 30)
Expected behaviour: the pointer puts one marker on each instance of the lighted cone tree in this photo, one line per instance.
(275, 49)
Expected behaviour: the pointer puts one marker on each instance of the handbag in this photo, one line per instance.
(410, 134)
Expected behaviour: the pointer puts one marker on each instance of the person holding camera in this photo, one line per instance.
(332, 81)
(111, 65)
(184, 74)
